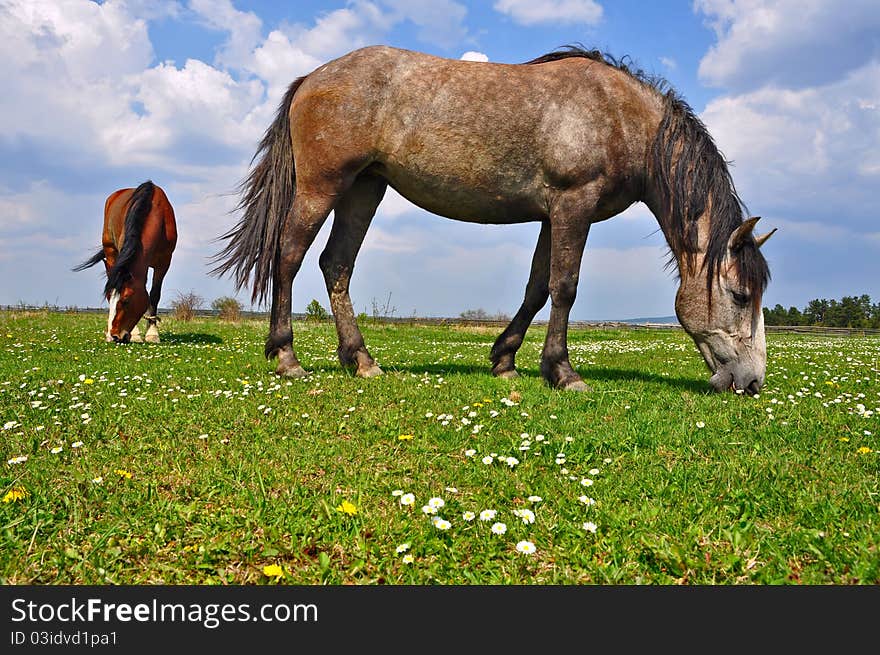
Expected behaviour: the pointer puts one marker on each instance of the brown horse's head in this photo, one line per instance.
(128, 303)
(724, 318)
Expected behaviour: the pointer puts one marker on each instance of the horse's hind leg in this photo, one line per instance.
(297, 234)
(537, 291)
(159, 271)
(351, 219)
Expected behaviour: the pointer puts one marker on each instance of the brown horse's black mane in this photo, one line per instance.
(139, 206)
(690, 174)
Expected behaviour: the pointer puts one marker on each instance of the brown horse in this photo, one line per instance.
(568, 139)
(139, 233)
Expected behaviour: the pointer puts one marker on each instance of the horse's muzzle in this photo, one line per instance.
(725, 380)
(126, 337)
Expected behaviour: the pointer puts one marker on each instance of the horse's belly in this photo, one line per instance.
(463, 200)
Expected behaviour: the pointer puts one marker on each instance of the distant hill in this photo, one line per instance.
(652, 319)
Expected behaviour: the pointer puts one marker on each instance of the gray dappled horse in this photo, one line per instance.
(568, 139)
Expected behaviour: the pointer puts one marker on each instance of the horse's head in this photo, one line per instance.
(129, 301)
(724, 318)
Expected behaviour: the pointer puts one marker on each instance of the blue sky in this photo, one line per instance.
(104, 95)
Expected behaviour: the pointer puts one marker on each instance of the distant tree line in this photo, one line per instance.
(849, 311)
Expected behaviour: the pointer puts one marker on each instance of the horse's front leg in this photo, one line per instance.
(567, 241)
(297, 234)
(159, 271)
(537, 290)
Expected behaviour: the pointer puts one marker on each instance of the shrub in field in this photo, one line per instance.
(185, 305)
(315, 312)
(229, 308)
(482, 315)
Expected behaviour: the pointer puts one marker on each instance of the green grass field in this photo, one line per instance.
(191, 462)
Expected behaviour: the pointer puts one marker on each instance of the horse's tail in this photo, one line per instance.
(139, 206)
(91, 261)
(267, 199)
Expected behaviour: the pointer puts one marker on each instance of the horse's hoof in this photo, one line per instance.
(152, 338)
(576, 385)
(370, 372)
(292, 372)
(507, 375)
(136, 338)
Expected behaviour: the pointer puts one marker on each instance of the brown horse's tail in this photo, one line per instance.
(267, 198)
(91, 261)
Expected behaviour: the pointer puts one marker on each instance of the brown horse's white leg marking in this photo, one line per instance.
(114, 298)
(152, 331)
(136, 335)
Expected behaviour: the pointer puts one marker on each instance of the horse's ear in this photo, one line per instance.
(761, 238)
(740, 235)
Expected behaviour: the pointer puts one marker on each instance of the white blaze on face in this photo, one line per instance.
(114, 298)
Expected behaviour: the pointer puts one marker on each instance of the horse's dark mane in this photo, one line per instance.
(623, 64)
(691, 175)
(139, 206)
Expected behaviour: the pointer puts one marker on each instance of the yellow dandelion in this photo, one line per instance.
(15, 494)
(122, 473)
(843, 439)
(347, 508)
(406, 437)
(273, 571)
(88, 381)
(863, 450)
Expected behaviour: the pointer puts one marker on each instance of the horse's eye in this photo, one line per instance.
(740, 299)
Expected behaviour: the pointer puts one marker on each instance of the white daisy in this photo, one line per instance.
(526, 547)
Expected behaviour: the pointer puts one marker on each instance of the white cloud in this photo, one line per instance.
(471, 55)
(61, 87)
(813, 152)
(341, 30)
(802, 126)
(243, 27)
(533, 12)
(668, 63)
(790, 42)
